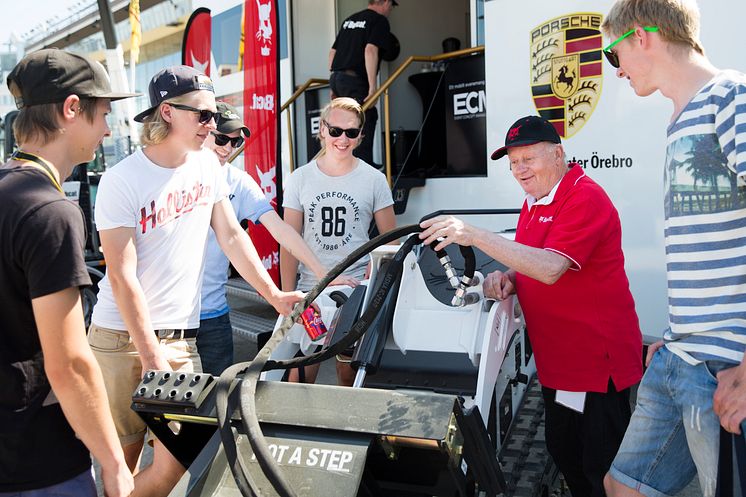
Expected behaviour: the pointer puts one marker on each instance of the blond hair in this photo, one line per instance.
(677, 20)
(156, 129)
(42, 122)
(342, 103)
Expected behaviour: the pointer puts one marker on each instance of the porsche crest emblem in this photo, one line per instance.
(567, 70)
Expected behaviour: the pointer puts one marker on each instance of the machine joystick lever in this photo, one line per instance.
(519, 378)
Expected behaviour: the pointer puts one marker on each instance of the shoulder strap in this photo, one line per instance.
(38, 161)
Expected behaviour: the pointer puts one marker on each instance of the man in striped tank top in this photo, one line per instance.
(696, 378)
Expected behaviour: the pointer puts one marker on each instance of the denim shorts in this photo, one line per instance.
(673, 434)
(82, 485)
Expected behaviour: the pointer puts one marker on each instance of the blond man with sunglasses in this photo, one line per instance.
(332, 201)
(696, 377)
(215, 337)
(153, 212)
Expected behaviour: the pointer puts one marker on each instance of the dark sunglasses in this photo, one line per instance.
(205, 115)
(336, 132)
(611, 55)
(221, 140)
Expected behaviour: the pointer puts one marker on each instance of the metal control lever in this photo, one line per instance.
(459, 298)
(359, 377)
(519, 378)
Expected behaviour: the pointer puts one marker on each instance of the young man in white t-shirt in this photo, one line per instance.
(153, 211)
(215, 337)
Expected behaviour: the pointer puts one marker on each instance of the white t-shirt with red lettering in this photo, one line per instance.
(170, 210)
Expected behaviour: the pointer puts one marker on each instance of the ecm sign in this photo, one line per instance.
(466, 117)
(468, 103)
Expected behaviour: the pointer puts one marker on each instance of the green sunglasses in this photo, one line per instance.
(611, 55)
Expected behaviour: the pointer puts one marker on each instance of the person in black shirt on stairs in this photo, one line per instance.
(354, 60)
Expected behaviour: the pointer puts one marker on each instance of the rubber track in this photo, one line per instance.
(526, 464)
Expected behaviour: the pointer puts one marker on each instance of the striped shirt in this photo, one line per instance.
(705, 223)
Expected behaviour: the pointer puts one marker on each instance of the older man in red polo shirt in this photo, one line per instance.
(567, 268)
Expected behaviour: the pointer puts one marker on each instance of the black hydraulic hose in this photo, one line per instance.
(252, 370)
(251, 376)
(441, 254)
(470, 261)
(351, 337)
(226, 403)
(225, 406)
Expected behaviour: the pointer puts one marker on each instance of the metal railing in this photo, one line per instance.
(382, 90)
(310, 84)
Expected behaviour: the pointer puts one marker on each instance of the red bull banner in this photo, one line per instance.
(260, 99)
(195, 47)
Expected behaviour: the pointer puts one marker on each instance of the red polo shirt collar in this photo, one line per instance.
(583, 328)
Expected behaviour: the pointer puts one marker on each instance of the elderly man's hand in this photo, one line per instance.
(729, 402)
(498, 285)
(451, 229)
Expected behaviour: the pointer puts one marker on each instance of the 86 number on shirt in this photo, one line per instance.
(332, 221)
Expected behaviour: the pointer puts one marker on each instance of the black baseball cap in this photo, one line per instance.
(228, 120)
(51, 75)
(527, 131)
(172, 82)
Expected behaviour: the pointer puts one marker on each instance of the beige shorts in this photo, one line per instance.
(120, 365)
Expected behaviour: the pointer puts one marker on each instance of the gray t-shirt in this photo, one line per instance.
(337, 212)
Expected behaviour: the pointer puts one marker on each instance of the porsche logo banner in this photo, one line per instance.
(567, 69)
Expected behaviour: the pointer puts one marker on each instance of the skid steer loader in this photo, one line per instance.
(445, 401)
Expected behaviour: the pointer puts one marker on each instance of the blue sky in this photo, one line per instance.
(19, 16)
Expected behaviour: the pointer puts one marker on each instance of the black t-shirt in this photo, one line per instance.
(361, 28)
(42, 240)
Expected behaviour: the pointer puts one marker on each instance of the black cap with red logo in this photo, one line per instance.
(527, 131)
